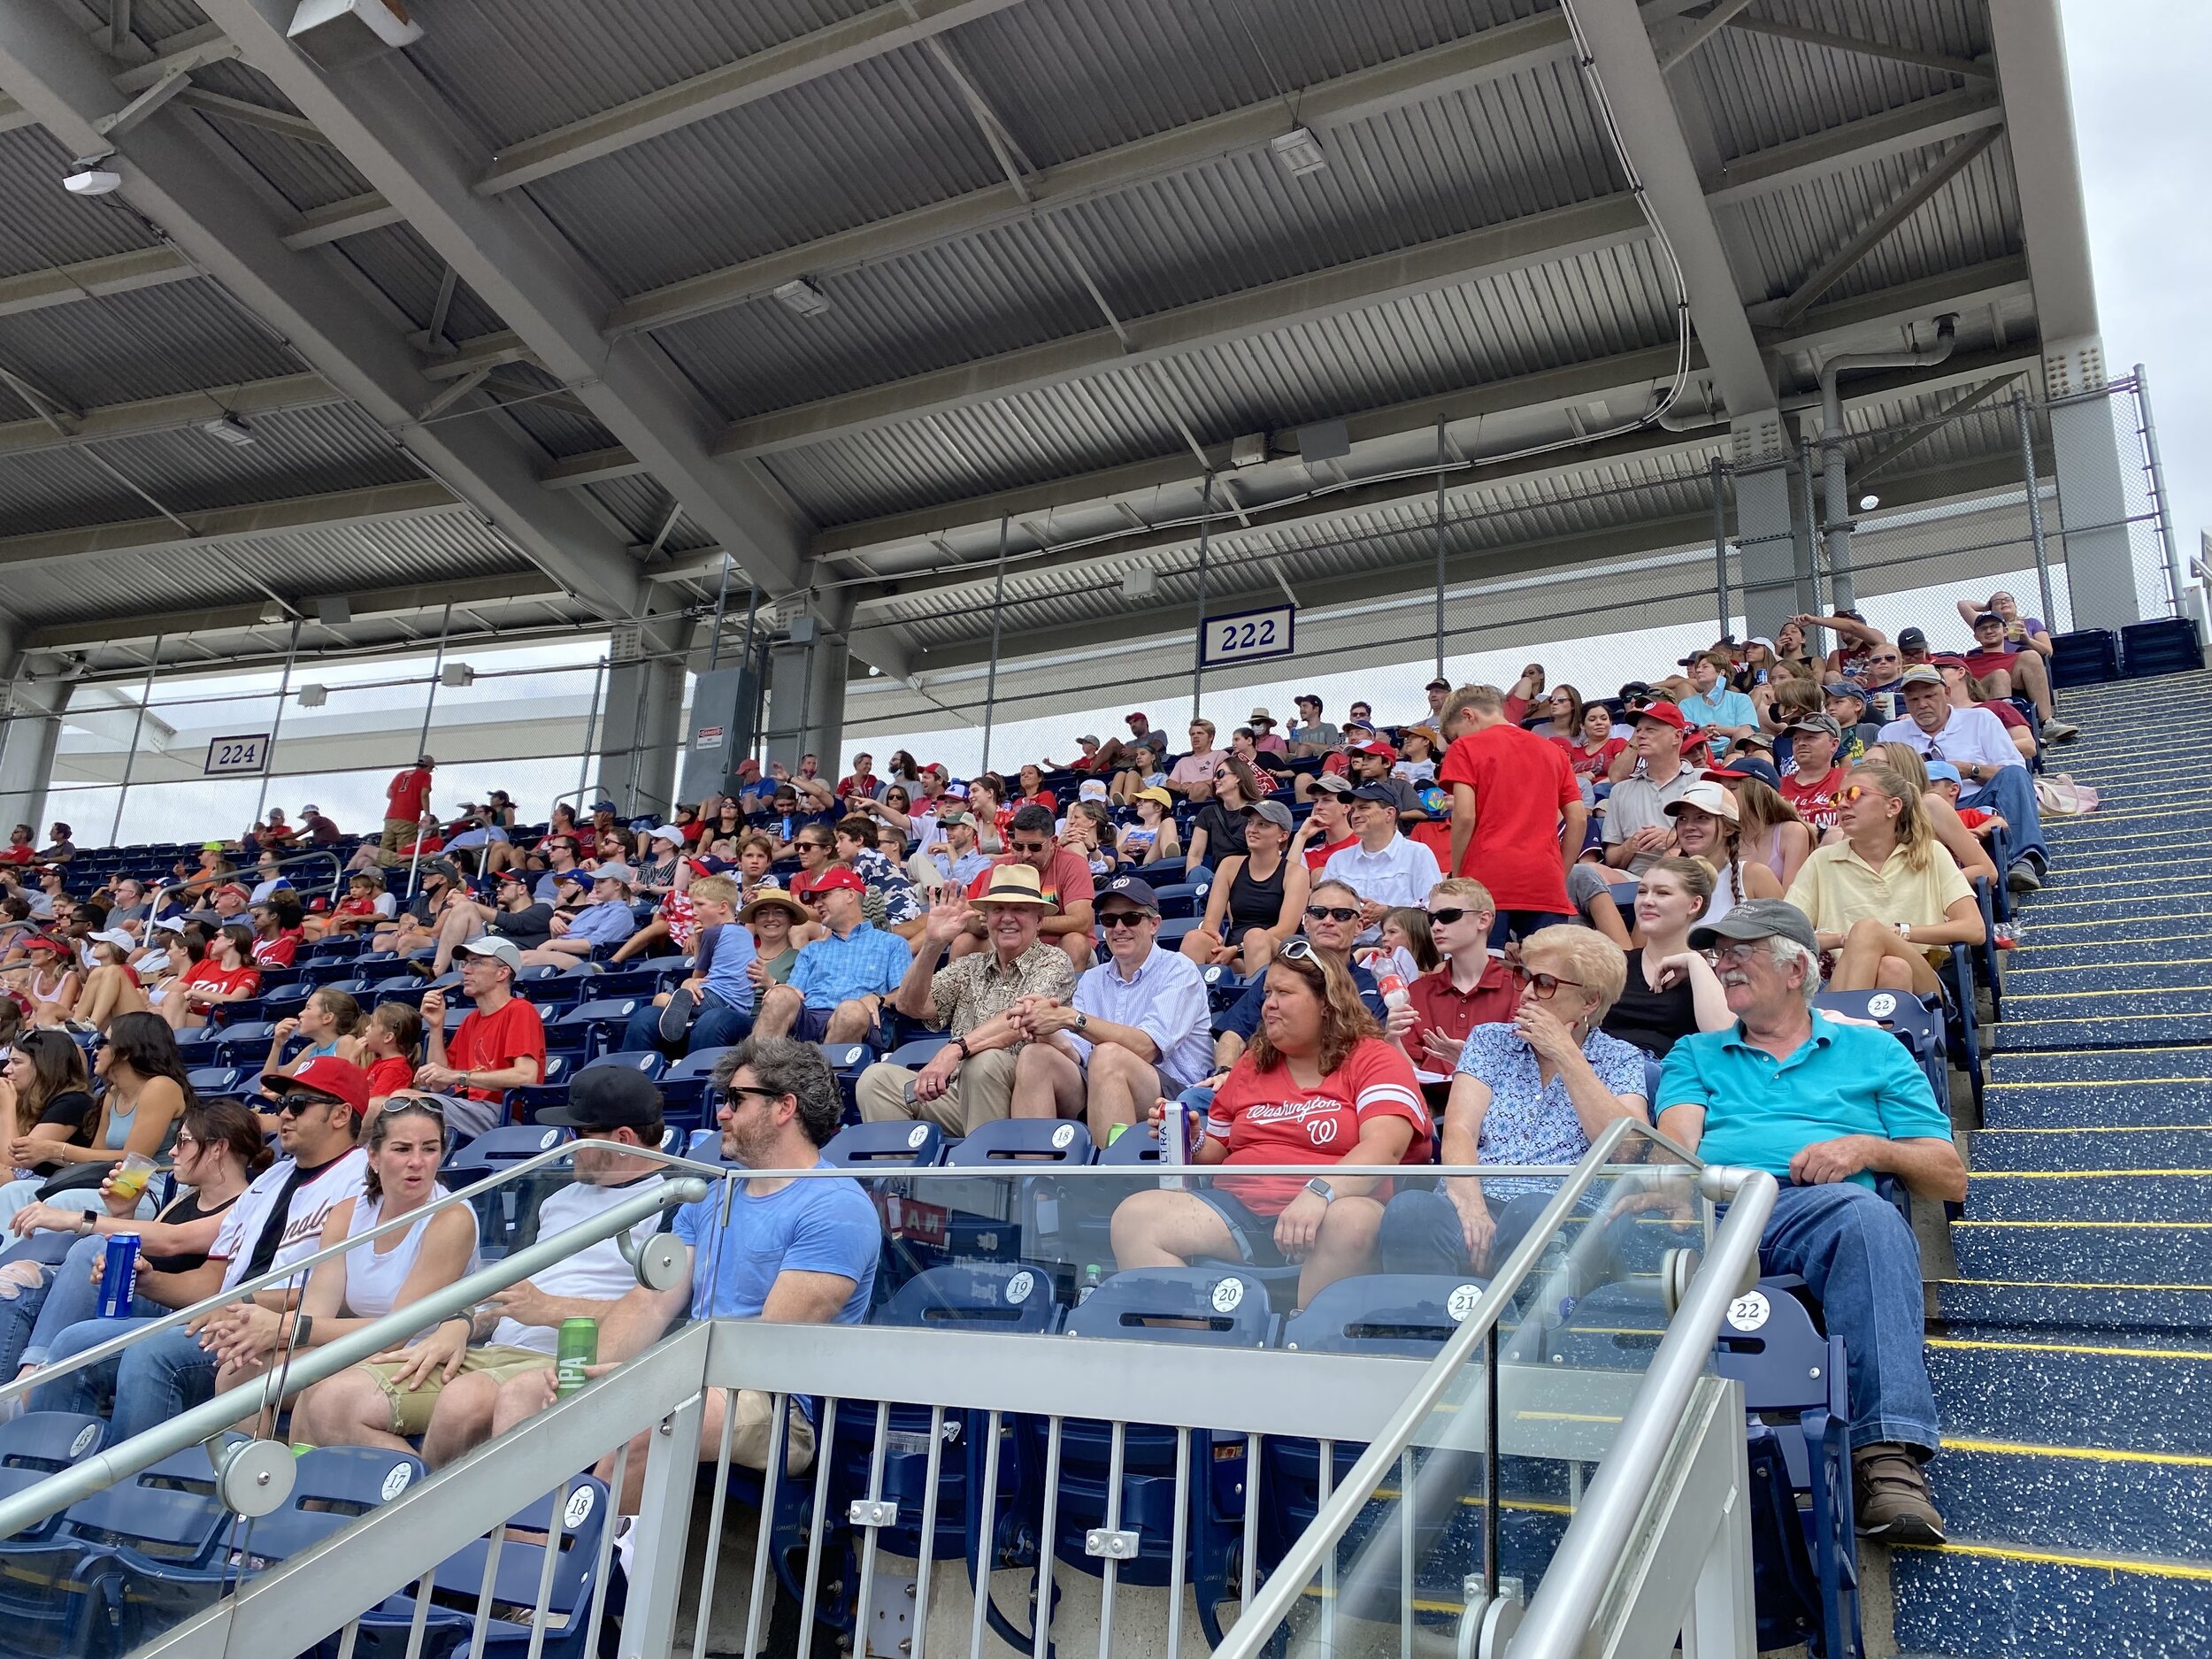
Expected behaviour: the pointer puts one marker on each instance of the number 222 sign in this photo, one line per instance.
(1248, 636)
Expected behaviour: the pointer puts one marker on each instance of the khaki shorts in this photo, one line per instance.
(411, 1407)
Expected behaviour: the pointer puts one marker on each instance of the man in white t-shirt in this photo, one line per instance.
(275, 1222)
(450, 1387)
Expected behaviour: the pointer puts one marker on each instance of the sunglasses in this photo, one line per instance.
(1545, 985)
(1123, 918)
(1328, 913)
(1028, 846)
(1450, 917)
(295, 1103)
(1851, 792)
(1297, 949)
(734, 1096)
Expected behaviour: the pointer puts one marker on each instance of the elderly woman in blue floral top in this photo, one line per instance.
(1536, 1091)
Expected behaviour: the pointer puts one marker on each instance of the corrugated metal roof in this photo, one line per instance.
(887, 135)
(641, 507)
(308, 176)
(407, 271)
(295, 452)
(521, 70)
(42, 224)
(180, 337)
(57, 489)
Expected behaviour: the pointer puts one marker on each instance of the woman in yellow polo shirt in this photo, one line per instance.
(1887, 898)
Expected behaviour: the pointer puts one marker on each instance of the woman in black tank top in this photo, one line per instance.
(1257, 899)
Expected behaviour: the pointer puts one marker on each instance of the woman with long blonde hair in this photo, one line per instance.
(1886, 899)
(1944, 822)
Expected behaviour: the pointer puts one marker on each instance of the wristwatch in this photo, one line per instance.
(1082, 1022)
(961, 1043)
(1321, 1188)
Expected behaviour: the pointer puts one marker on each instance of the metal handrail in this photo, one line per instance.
(1591, 1552)
(1285, 1585)
(280, 1275)
(161, 892)
(210, 1417)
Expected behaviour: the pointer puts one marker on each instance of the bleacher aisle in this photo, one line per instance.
(2073, 1363)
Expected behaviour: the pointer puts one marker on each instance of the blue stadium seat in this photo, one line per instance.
(2087, 656)
(243, 1045)
(590, 1028)
(1182, 898)
(919, 1052)
(686, 1085)
(894, 1144)
(2164, 645)
(39, 1444)
(1021, 1140)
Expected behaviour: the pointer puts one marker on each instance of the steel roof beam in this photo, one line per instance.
(2046, 166)
(1855, 143)
(429, 597)
(329, 512)
(170, 414)
(181, 182)
(1943, 63)
(92, 279)
(392, 125)
(1644, 113)
(1495, 251)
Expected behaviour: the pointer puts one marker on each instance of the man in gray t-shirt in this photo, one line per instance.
(1309, 734)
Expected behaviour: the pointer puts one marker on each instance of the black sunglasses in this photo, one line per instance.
(733, 1095)
(1448, 918)
(295, 1103)
(1331, 913)
(1123, 918)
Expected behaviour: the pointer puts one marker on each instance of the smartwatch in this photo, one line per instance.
(1326, 1192)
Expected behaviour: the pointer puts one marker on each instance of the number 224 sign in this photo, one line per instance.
(237, 754)
(1248, 636)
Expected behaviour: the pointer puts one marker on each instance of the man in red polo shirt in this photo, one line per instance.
(1064, 876)
(406, 798)
(1518, 816)
(500, 1045)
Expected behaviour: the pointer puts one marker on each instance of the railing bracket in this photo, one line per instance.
(1111, 1545)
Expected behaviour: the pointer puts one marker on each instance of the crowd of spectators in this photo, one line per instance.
(1486, 930)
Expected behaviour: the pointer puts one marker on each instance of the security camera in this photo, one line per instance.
(92, 181)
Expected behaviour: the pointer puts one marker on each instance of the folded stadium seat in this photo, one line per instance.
(2165, 645)
(1042, 1231)
(684, 1087)
(1182, 898)
(704, 1145)
(1165, 873)
(847, 1060)
(1173, 932)
(214, 1082)
(457, 1582)
(919, 1051)
(625, 980)
(335, 948)
(1805, 1574)
(523, 1104)
(1914, 1022)
(2088, 656)
(42, 1443)
(1957, 974)
(243, 1044)
(1183, 1305)
(282, 1004)
(1223, 986)
(997, 1298)
(587, 1029)
(885, 1145)
(196, 1045)
(503, 1212)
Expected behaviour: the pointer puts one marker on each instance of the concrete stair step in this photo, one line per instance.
(2098, 1030)
(1996, 1601)
(2036, 1003)
(2181, 1103)
(2066, 1498)
(2130, 929)
(2089, 1394)
(2086, 1252)
(2031, 975)
(2105, 1195)
(2094, 1314)
(1995, 1151)
(2156, 941)
(2183, 1063)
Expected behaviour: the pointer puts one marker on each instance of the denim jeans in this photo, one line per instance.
(2010, 794)
(715, 1024)
(1860, 1260)
(151, 1381)
(1421, 1232)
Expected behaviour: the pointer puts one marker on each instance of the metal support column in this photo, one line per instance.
(1440, 546)
(1198, 653)
(422, 743)
(130, 761)
(1809, 551)
(2161, 502)
(591, 732)
(284, 690)
(1720, 545)
(998, 615)
(2035, 504)
(721, 603)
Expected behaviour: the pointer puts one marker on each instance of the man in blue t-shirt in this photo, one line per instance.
(794, 1250)
(1823, 1108)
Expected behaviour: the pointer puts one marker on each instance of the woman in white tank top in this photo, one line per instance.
(374, 1277)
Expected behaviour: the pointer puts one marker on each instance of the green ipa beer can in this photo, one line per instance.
(579, 1347)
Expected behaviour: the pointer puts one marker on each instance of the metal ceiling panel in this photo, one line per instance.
(641, 506)
(40, 223)
(308, 176)
(883, 136)
(295, 452)
(407, 271)
(181, 337)
(57, 489)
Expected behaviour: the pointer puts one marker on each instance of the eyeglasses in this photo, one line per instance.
(1123, 919)
(1545, 985)
(1450, 917)
(1327, 913)
(733, 1096)
(1742, 950)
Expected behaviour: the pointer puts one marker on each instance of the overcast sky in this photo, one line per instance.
(2142, 74)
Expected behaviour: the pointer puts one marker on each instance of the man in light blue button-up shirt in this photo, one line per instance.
(840, 982)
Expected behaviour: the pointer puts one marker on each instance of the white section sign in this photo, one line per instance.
(1248, 636)
(227, 756)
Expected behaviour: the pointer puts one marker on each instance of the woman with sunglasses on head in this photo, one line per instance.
(218, 1149)
(1538, 1090)
(1944, 822)
(1670, 990)
(143, 1092)
(1318, 1086)
(1886, 900)
(372, 1278)
(1259, 894)
(1331, 920)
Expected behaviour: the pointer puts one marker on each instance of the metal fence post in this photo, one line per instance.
(591, 729)
(998, 616)
(1440, 548)
(1198, 653)
(422, 743)
(284, 690)
(2021, 418)
(2159, 500)
(1720, 545)
(138, 725)
(1809, 559)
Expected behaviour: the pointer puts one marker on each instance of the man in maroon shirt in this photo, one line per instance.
(2005, 661)
(405, 800)
(1518, 816)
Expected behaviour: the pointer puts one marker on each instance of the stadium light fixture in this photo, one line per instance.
(229, 429)
(1868, 504)
(457, 676)
(1298, 152)
(314, 696)
(802, 296)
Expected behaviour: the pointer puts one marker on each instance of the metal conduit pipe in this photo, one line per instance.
(1835, 501)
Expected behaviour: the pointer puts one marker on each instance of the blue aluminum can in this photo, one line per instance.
(118, 1276)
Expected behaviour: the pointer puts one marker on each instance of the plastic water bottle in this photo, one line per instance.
(1389, 982)
(1091, 1280)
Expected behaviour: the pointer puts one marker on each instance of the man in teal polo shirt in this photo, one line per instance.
(1823, 1108)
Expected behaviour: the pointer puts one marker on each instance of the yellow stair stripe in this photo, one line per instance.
(2080, 1454)
(2070, 1347)
(2057, 1558)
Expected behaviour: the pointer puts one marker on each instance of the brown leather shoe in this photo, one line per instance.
(1891, 1495)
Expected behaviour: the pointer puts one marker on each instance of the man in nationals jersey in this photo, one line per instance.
(1816, 741)
(1317, 1087)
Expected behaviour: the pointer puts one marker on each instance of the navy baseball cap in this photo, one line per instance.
(1376, 792)
(1134, 889)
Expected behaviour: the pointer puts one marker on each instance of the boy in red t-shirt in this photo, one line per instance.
(1518, 817)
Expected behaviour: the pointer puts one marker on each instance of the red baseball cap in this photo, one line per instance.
(1666, 714)
(1136, 714)
(329, 1075)
(232, 887)
(1376, 747)
(838, 876)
